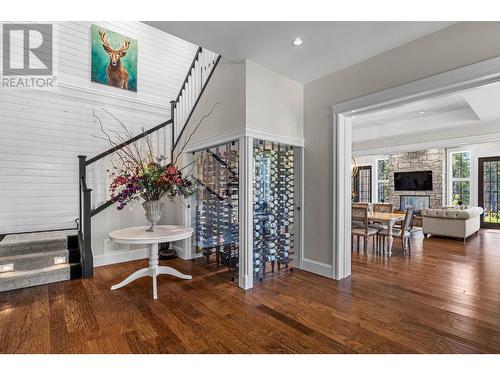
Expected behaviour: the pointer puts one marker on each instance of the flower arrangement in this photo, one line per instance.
(151, 180)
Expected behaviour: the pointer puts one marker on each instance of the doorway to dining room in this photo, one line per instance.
(409, 131)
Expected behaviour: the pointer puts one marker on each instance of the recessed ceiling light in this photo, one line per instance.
(421, 112)
(297, 42)
(353, 116)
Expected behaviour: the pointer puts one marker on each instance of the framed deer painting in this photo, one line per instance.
(114, 59)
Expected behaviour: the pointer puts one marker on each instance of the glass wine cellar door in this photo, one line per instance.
(267, 241)
(273, 208)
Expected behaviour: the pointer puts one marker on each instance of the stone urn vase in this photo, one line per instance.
(154, 210)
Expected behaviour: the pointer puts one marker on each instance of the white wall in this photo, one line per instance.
(251, 99)
(274, 103)
(450, 48)
(227, 88)
(42, 132)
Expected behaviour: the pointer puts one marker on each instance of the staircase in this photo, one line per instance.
(38, 258)
(45, 257)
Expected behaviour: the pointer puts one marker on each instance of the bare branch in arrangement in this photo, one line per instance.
(150, 147)
(194, 131)
(128, 132)
(126, 155)
(187, 165)
(108, 137)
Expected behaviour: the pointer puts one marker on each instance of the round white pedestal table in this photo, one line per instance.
(140, 236)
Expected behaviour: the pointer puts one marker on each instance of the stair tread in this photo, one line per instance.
(9, 257)
(11, 239)
(27, 273)
(17, 244)
(27, 278)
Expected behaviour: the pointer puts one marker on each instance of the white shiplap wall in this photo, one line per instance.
(43, 131)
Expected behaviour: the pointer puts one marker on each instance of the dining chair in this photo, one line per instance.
(361, 205)
(364, 205)
(383, 208)
(404, 233)
(360, 215)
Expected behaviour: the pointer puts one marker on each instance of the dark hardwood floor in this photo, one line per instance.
(444, 298)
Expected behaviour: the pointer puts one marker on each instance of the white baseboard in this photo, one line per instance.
(319, 268)
(181, 254)
(126, 256)
(179, 250)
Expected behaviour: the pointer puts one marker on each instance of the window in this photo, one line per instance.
(489, 191)
(383, 180)
(362, 185)
(460, 178)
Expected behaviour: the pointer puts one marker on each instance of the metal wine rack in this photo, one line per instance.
(215, 216)
(273, 238)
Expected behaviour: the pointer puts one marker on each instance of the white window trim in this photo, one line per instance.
(450, 179)
(377, 181)
(372, 182)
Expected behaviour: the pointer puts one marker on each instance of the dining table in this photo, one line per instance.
(388, 219)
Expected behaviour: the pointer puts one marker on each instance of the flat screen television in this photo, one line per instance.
(413, 181)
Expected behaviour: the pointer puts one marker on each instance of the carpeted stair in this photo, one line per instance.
(38, 258)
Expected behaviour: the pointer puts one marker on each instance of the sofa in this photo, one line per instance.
(451, 221)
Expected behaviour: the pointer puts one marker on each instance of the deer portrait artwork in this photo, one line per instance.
(114, 59)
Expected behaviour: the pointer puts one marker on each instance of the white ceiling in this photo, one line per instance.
(464, 114)
(328, 46)
(425, 111)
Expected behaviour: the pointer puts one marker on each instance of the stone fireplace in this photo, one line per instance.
(433, 160)
(418, 202)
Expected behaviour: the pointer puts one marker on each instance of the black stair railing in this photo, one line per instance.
(199, 74)
(182, 108)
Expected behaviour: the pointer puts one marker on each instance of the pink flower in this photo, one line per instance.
(171, 169)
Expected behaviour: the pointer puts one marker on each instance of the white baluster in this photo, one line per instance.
(176, 119)
(188, 96)
(162, 140)
(168, 143)
(198, 78)
(206, 72)
(181, 112)
(184, 106)
(180, 118)
(191, 91)
(157, 138)
(195, 80)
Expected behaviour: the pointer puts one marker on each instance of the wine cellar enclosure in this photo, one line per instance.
(215, 216)
(256, 227)
(273, 208)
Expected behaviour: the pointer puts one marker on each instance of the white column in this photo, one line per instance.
(187, 245)
(342, 141)
(246, 213)
(298, 160)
